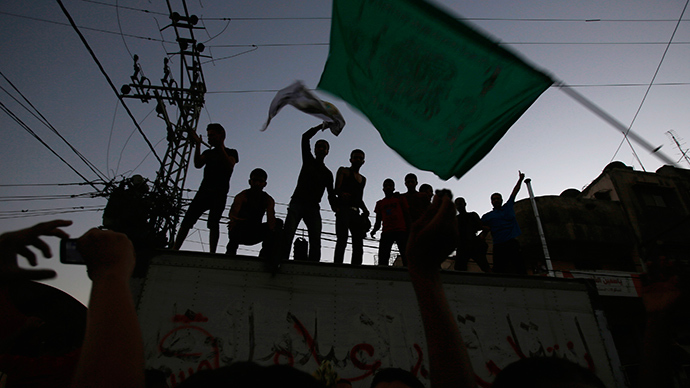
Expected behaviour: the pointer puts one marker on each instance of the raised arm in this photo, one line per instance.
(306, 138)
(113, 353)
(521, 177)
(432, 239)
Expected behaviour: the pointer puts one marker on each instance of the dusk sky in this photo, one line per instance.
(609, 51)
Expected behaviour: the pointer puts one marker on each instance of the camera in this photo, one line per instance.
(69, 253)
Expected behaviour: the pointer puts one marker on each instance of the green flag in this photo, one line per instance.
(439, 93)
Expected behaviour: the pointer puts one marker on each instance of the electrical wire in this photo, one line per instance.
(32, 133)
(577, 20)
(81, 27)
(43, 120)
(110, 82)
(644, 98)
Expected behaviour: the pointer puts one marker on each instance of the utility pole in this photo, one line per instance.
(186, 94)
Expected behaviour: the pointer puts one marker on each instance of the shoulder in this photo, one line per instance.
(342, 171)
(242, 195)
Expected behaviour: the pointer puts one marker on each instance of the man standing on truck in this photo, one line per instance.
(470, 246)
(314, 178)
(393, 212)
(218, 163)
(504, 229)
(246, 216)
(349, 186)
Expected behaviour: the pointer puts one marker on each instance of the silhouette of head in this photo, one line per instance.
(542, 372)
(258, 178)
(357, 158)
(496, 200)
(411, 182)
(388, 186)
(216, 134)
(460, 204)
(250, 375)
(395, 378)
(321, 148)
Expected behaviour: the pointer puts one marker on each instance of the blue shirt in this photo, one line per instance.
(502, 222)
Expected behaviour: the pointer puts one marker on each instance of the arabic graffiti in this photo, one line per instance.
(193, 348)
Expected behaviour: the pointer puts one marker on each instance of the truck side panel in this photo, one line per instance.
(202, 312)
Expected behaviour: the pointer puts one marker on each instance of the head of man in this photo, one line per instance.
(388, 187)
(427, 191)
(216, 134)
(321, 148)
(257, 179)
(411, 182)
(542, 372)
(395, 378)
(496, 200)
(342, 383)
(460, 204)
(357, 158)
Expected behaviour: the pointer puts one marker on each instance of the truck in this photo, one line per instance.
(203, 311)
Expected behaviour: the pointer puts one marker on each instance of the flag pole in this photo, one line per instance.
(615, 123)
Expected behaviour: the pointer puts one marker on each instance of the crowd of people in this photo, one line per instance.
(395, 213)
(112, 351)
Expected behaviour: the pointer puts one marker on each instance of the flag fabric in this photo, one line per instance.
(439, 93)
(301, 98)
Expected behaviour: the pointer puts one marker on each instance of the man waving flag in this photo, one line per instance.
(439, 93)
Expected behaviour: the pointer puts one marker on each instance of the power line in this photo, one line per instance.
(39, 116)
(17, 198)
(110, 82)
(326, 43)
(573, 86)
(81, 27)
(45, 184)
(32, 133)
(656, 72)
(578, 20)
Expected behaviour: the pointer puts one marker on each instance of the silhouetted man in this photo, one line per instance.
(349, 187)
(314, 178)
(470, 245)
(392, 212)
(246, 216)
(415, 200)
(504, 229)
(218, 163)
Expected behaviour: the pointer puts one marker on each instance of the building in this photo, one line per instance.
(609, 232)
(621, 220)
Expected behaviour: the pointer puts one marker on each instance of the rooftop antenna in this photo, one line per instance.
(684, 153)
